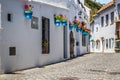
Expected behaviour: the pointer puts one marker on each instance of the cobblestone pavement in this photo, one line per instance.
(88, 67)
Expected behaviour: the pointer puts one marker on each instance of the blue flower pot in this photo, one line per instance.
(85, 33)
(81, 30)
(70, 27)
(75, 26)
(28, 14)
(64, 23)
(78, 29)
(57, 23)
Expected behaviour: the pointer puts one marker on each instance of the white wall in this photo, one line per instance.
(74, 9)
(28, 41)
(107, 32)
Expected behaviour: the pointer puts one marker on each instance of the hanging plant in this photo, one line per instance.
(57, 20)
(70, 26)
(63, 20)
(57, 17)
(76, 22)
(78, 30)
(60, 19)
(63, 17)
(84, 33)
(28, 11)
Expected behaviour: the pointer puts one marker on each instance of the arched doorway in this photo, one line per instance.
(71, 45)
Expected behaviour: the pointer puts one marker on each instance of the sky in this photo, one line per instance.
(103, 1)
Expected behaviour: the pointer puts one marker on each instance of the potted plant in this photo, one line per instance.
(71, 25)
(44, 45)
(63, 20)
(28, 11)
(57, 19)
(76, 23)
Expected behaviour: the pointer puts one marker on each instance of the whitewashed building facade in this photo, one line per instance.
(105, 29)
(27, 42)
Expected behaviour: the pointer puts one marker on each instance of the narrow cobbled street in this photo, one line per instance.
(88, 67)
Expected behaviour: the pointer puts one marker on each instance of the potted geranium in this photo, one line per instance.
(28, 11)
(76, 23)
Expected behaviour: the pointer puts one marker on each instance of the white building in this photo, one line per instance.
(27, 43)
(105, 29)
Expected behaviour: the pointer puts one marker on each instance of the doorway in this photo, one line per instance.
(71, 45)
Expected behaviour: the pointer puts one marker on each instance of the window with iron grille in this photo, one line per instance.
(45, 35)
(12, 51)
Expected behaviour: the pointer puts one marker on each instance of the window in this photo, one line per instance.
(109, 43)
(112, 17)
(106, 43)
(83, 40)
(107, 20)
(9, 17)
(12, 51)
(45, 35)
(34, 23)
(102, 21)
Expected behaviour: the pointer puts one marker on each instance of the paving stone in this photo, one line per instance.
(88, 67)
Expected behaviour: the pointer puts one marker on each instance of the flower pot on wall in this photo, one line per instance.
(28, 14)
(85, 33)
(28, 11)
(70, 27)
(75, 25)
(57, 23)
(64, 23)
(77, 29)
